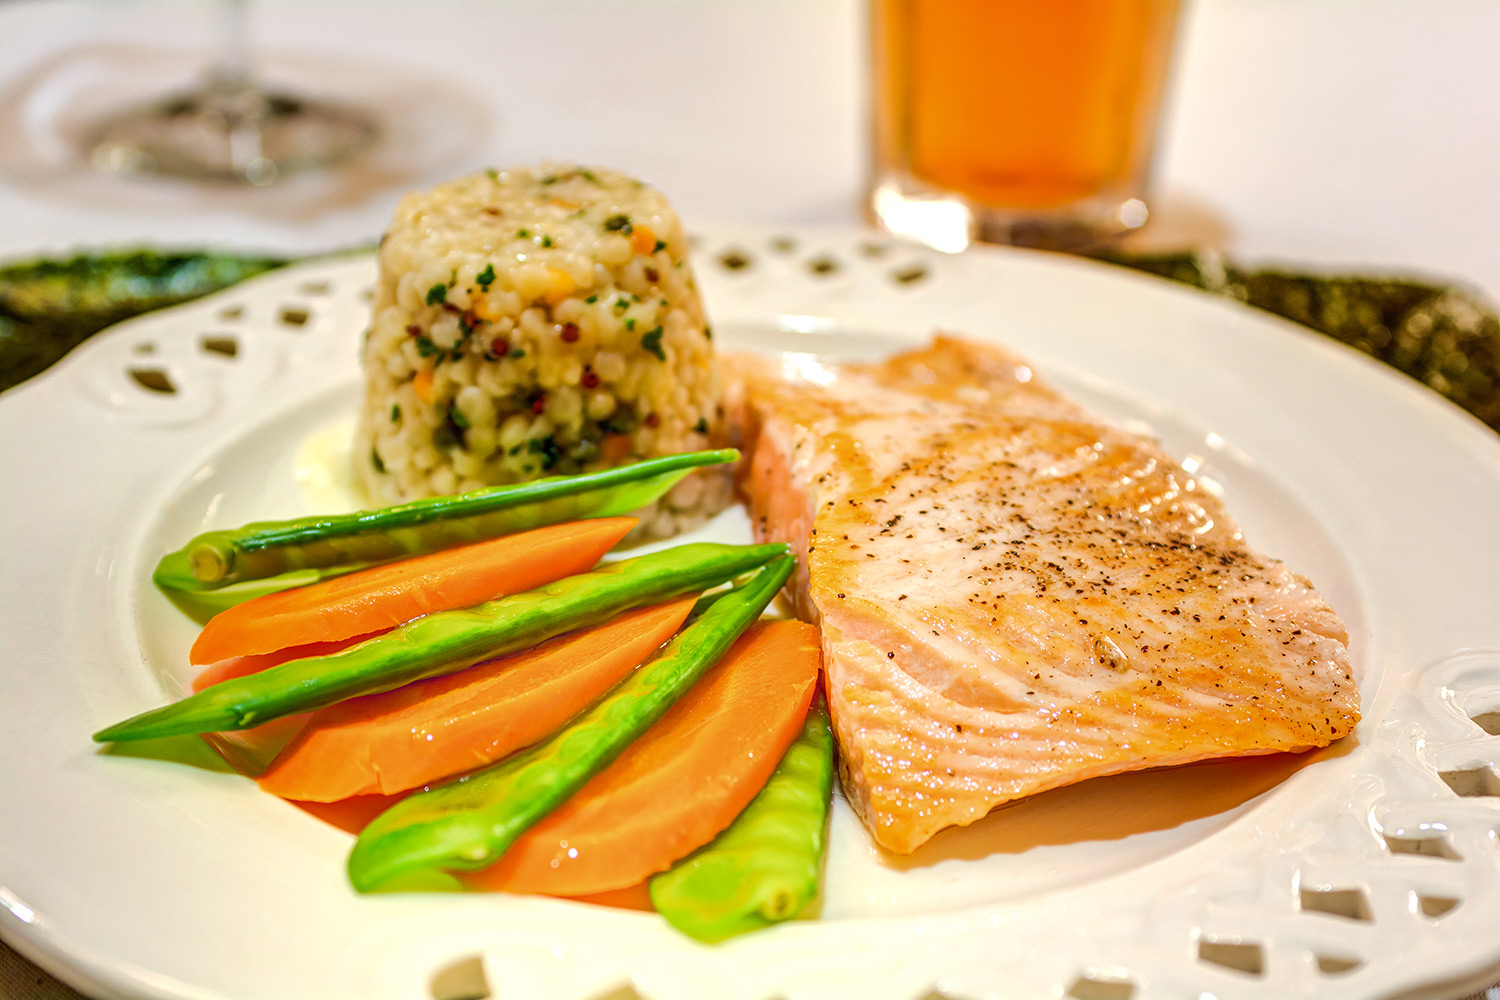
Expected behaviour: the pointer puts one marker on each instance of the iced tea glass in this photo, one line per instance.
(1029, 122)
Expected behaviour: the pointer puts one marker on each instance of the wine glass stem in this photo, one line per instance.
(231, 70)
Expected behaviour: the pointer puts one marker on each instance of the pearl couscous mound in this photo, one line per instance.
(537, 322)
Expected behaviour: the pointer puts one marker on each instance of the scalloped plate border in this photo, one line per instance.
(1373, 873)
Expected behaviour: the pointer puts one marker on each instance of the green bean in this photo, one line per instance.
(447, 641)
(467, 825)
(767, 865)
(269, 548)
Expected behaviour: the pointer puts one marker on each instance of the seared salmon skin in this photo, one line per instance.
(1014, 595)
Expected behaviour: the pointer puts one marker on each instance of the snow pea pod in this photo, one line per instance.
(464, 826)
(268, 548)
(766, 866)
(201, 605)
(447, 641)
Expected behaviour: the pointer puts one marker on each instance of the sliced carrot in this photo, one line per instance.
(432, 729)
(384, 596)
(350, 815)
(632, 897)
(243, 666)
(682, 782)
(250, 751)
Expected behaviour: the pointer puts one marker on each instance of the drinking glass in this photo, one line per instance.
(230, 127)
(1030, 122)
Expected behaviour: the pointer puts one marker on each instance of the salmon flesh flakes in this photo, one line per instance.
(1015, 596)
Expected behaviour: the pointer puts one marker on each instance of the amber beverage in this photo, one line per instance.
(1019, 121)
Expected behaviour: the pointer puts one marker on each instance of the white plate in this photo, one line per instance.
(1363, 871)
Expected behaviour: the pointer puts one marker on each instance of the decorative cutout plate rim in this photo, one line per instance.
(1334, 884)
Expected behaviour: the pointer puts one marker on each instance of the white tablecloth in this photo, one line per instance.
(1349, 134)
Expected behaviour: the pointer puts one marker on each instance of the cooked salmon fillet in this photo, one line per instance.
(1014, 595)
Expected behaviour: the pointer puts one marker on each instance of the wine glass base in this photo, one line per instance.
(230, 133)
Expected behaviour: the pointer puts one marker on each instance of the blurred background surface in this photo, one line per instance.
(1358, 134)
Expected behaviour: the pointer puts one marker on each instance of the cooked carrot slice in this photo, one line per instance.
(682, 782)
(250, 751)
(350, 815)
(632, 897)
(384, 596)
(254, 663)
(432, 729)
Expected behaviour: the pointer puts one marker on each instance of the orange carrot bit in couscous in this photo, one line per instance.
(562, 285)
(485, 309)
(421, 384)
(615, 448)
(643, 240)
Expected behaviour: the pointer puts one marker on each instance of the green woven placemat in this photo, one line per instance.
(1441, 335)
(49, 307)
